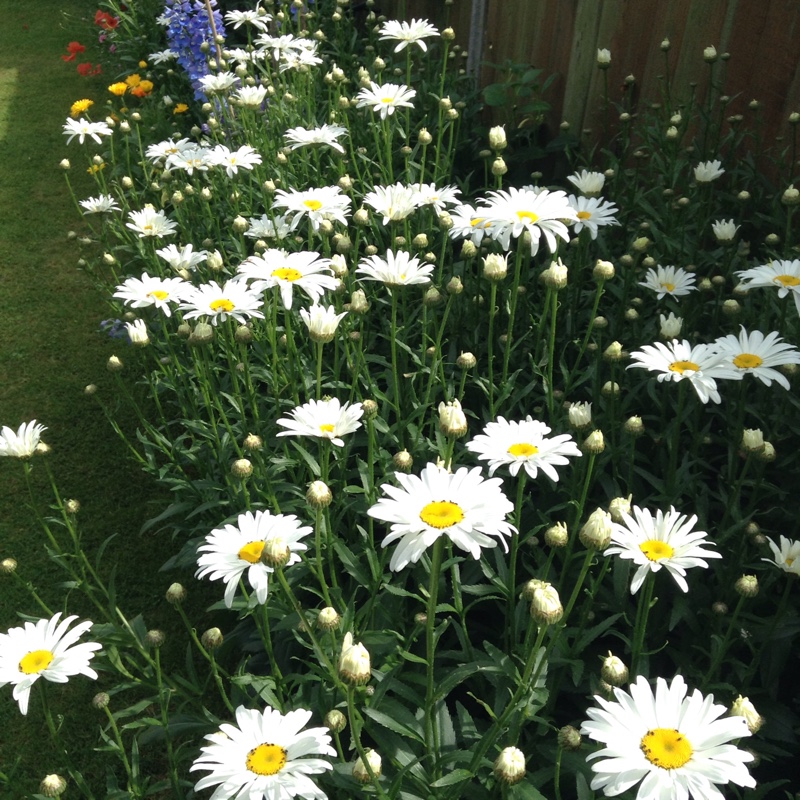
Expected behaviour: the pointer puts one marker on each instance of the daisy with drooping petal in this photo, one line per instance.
(757, 354)
(666, 540)
(233, 550)
(384, 99)
(305, 270)
(155, 291)
(406, 33)
(783, 275)
(326, 202)
(298, 59)
(396, 269)
(234, 300)
(250, 16)
(249, 96)
(677, 746)
(316, 137)
(151, 223)
(184, 258)
(265, 756)
(265, 228)
(673, 281)
(707, 171)
(428, 194)
(24, 442)
(787, 556)
(592, 213)
(44, 649)
(162, 56)
(83, 127)
(523, 444)
(678, 360)
(321, 322)
(393, 202)
(540, 212)
(464, 506)
(233, 160)
(100, 205)
(218, 82)
(323, 419)
(588, 183)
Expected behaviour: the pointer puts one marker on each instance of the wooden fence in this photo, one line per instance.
(562, 37)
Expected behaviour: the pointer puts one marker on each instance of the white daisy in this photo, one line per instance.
(757, 354)
(234, 300)
(184, 258)
(233, 160)
(385, 98)
(190, 159)
(100, 205)
(465, 507)
(249, 96)
(218, 82)
(161, 150)
(248, 17)
(323, 419)
(298, 59)
(406, 33)
(394, 202)
(264, 227)
(321, 322)
(326, 202)
(428, 194)
(396, 269)
(305, 270)
(265, 756)
(233, 550)
(724, 230)
(787, 556)
(151, 223)
(783, 275)
(316, 137)
(518, 444)
(677, 746)
(470, 223)
(664, 541)
(678, 360)
(282, 45)
(155, 291)
(592, 213)
(588, 183)
(83, 127)
(674, 281)
(44, 649)
(162, 56)
(24, 442)
(707, 171)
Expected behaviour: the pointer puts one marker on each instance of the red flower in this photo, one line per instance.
(86, 69)
(105, 20)
(73, 48)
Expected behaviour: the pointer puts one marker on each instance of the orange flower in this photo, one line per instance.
(142, 89)
(73, 48)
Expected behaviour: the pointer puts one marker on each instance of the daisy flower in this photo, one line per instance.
(234, 300)
(190, 159)
(100, 205)
(784, 275)
(162, 56)
(282, 45)
(757, 354)
(462, 506)
(155, 291)
(406, 33)
(470, 223)
(321, 322)
(384, 99)
(664, 541)
(248, 17)
(540, 212)
(316, 137)
(149, 222)
(265, 756)
(677, 746)
(305, 270)
(44, 649)
(83, 128)
(182, 259)
(218, 82)
(674, 281)
(523, 444)
(161, 150)
(265, 228)
(323, 419)
(326, 202)
(592, 213)
(678, 360)
(429, 195)
(396, 269)
(707, 171)
(24, 442)
(233, 160)
(724, 230)
(297, 59)
(233, 550)
(588, 183)
(787, 556)
(393, 202)
(249, 96)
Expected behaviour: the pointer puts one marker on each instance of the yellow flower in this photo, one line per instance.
(133, 80)
(95, 168)
(142, 65)
(146, 86)
(79, 107)
(180, 108)
(118, 89)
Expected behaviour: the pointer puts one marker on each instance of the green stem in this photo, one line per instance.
(640, 626)
(431, 729)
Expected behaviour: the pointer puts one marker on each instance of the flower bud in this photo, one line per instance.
(747, 586)
(752, 440)
(614, 671)
(603, 58)
(603, 270)
(358, 302)
(155, 638)
(614, 352)
(580, 415)
(619, 506)
(360, 771)
(212, 638)
(499, 167)
(101, 701)
(52, 785)
(354, 663)
(569, 738)
(710, 54)
(335, 721)
(240, 224)
(497, 138)
(176, 594)
(319, 495)
(242, 468)
(791, 197)
(546, 605)
(555, 276)
(596, 532)
(423, 137)
(594, 443)
(403, 461)
(203, 333)
(670, 326)
(466, 361)
(452, 420)
(328, 619)
(742, 707)
(509, 767)
(556, 535)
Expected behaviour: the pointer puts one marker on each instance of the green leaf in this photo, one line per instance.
(400, 720)
(456, 776)
(495, 94)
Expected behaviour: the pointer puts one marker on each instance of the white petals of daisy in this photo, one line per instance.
(155, 291)
(406, 33)
(321, 322)
(326, 202)
(100, 205)
(785, 557)
(707, 171)
(588, 183)
(233, 160)
(464, 506)
(384, 99)
(323, 419)
(151, 223)
(757, 354)
(217, 302)
(83, 128)
(23, 442)
(666, 540)
(184, 258)
(316, 137)
(396, 269)
(592, 213)
(782, 275)
(673, 281)
(306, 270)
(393, 202)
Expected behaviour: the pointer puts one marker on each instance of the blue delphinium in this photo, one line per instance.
(188, 28)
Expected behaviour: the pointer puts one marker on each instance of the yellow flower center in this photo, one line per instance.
(683, 366)
(789, 562)
(747, 361)
(287, 274)
(477, 221)
(266, 759)
(666, 748)
(35, 661)
(527, 216)
(441, 514)
(584, 215)
(147, 227)
(655, 549)
(222, 305)
(313, 205)
(670, 287)
(326, 428)
(251, 553)
(522, 450)
(387, 100)
(159, 294)
(788, 280)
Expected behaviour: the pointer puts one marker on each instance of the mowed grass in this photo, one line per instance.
(50, 349)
